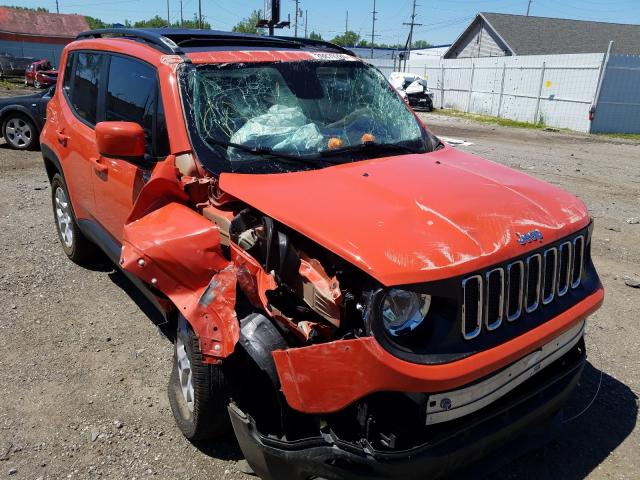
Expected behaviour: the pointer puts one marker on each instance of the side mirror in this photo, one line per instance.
(120, 139)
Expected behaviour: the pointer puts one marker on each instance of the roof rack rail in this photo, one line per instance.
(173, 40)
(319, 44)
(154, 38)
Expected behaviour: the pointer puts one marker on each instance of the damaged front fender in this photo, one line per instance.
(177, 251)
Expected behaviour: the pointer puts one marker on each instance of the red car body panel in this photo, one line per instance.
(45, 77)
(403, 220)
(326, 378)
(177, 251)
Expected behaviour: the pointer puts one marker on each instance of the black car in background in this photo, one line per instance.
(22, 118)
(11, 66)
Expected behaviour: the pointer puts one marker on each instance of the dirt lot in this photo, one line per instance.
(84, 369)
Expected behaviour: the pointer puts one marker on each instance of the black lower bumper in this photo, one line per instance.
(524, 419)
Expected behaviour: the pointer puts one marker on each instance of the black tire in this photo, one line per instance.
(79, 249)
(207, 417)
(27, 139)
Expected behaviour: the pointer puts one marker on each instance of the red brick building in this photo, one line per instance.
(26, 33)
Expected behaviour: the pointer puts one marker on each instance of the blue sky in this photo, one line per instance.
(442, 20)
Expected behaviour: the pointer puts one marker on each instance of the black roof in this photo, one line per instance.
(544, 36)
(178, 40)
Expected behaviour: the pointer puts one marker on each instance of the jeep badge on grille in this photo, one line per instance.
(532, 236)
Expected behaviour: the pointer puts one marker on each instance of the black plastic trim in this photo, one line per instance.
(524, 419)
(112, 248)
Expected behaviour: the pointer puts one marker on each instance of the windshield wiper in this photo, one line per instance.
(371, 147)
(267, 152)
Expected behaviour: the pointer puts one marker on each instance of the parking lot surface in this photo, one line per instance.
(84, 369)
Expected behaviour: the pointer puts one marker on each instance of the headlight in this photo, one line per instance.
(403, 311)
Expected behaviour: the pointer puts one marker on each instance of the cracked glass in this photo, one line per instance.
(287, 116)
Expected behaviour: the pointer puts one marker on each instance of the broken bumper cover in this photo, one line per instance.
(362, 366)
(524, 419)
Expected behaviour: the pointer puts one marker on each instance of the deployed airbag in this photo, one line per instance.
(281, 128)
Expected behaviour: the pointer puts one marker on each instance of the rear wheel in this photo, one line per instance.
(36, 83)
(75, 245)
(198, 392)
(19, 132)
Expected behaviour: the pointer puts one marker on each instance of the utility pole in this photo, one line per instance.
(373, 26)
(296, 21)
(410, 39)
(529, 7)
(57, 7)
(199, 13)
(346, 23)
(306, 22)
(168, 19)
(181, 18)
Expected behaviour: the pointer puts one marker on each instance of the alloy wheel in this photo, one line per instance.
(18, 133)
(183, 359)
(63, 216)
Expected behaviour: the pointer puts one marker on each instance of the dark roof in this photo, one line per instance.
(546, 36)
(27, 22)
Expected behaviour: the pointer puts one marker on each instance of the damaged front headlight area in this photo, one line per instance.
(403, 311)
(413, 323)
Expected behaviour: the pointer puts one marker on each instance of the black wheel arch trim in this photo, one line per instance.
(48, 155)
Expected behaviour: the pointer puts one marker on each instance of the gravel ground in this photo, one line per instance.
(84, 369)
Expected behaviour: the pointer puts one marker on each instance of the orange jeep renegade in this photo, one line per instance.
(353, 297)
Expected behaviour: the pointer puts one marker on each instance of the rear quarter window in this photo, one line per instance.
(85, 85)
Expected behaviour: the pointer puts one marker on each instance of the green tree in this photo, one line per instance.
(250, 24)
(193, 23)
(154, 22)
(38, 9)
(421, 44)
(95, 23)
(347, 39)
(315, 36)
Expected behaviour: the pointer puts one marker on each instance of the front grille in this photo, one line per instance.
(521, 287)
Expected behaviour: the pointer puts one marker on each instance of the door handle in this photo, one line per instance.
(98, 165)
(62, 138)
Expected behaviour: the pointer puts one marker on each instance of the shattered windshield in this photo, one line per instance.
(287, 116)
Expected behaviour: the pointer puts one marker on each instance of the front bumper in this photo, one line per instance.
(327, 377)
(523, 419)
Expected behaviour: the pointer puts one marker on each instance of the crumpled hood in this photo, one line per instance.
(415, 218)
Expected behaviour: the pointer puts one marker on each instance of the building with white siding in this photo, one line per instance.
(499, 34)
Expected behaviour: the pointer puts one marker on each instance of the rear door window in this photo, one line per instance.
(86, 85)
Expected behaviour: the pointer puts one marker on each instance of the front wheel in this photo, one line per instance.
(198, 392)
(75, 245)
(36, 83)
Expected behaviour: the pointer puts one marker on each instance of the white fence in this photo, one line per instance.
(554, 90)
